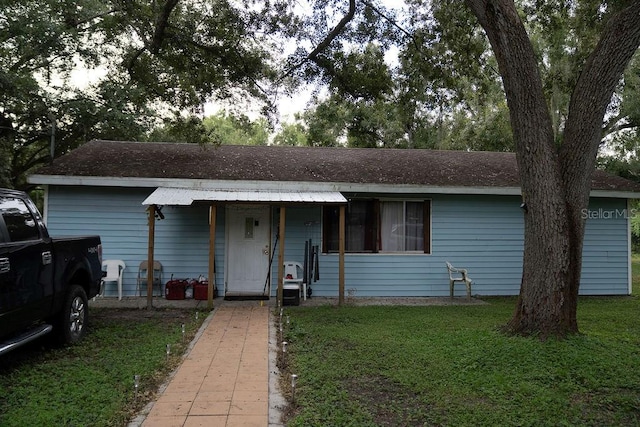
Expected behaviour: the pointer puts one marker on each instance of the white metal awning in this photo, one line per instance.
(186, 196)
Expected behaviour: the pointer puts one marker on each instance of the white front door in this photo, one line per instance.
(248, 250)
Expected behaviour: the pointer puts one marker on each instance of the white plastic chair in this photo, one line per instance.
(463, 277)
(115, 269)
(293, 272)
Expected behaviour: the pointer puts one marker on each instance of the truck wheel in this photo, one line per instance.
(74, 316)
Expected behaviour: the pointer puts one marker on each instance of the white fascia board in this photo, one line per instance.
(106, 181)
(100, 181)
(423, 189)
(615, 194)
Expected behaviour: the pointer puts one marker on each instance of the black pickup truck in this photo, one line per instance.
(45, 282)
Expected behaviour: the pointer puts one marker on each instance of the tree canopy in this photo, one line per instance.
(445, 88)
(418, 74)
(158, 59)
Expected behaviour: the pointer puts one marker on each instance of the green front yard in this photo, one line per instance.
(358, 366)
(449, 365)
(92, 384)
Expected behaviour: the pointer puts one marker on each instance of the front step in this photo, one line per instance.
(24, 338)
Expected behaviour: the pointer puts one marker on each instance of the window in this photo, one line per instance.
(401, 226)
(379, 226)
(20, 223)
(360, 227)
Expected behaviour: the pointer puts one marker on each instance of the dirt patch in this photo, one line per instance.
(390, 403)
(603, 405)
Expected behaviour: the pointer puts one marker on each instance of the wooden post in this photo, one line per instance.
(151, 214)
(281, 255)
(212, 255)
(341, 231)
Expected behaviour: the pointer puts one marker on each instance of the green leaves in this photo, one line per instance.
(418, 76)
(160, 57)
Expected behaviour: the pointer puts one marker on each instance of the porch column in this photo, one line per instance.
(341, 232)
(281, 255)
(151, 217)
(212, 255)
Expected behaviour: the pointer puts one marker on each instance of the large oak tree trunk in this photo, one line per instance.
(555, 178)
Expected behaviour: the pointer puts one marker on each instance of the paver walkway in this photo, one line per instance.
(224, 380)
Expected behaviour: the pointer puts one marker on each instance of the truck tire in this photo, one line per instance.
(72, 321)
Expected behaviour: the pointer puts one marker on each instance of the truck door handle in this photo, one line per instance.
(46, 258)
(5, 267)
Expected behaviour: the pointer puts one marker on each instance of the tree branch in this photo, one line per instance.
(162, 22)
(76, 23)
(411, 36)
(530, 119)
(313, 55)
(616, 124)
(334, 33)
(601, 74)
(391, 21)
(161, 25)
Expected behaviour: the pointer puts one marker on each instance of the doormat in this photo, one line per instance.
(246, 297)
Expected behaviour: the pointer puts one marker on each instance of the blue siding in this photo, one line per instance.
(483, 234)
(480, 233)
(117, 215)
(605, 263)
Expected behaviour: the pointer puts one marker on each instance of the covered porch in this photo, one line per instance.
(246, 235)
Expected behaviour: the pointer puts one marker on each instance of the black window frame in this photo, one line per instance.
(372, 242)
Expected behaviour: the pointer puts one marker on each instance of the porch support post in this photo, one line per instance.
(151, 216)
(341, 231)
(212, 255)
(281, 255)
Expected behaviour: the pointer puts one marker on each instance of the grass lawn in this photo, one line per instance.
(449, 365)
(91, 384)
(357, 366)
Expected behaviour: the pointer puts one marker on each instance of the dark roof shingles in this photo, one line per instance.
(304, 164)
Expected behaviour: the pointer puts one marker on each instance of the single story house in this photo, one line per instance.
(235, 212)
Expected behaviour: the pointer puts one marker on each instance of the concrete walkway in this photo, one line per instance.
(224, 379)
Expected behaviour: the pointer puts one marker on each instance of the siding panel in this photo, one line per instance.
(480, 233)
(117, 215)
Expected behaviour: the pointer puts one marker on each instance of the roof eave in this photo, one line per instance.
(108, 181)
(615, 194)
